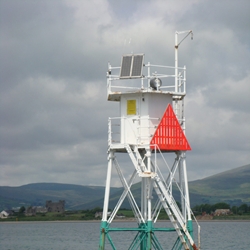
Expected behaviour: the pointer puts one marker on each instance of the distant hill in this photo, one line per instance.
(76, 196)
(232, 187)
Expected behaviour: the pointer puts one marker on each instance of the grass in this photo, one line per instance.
(83, 216)
(49, 217)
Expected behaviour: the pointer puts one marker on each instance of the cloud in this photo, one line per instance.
(54, 56)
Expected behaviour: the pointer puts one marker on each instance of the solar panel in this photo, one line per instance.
(137, 66)
(126, 66)
(131, 66)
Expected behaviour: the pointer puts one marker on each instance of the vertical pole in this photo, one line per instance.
(181, 183)
(143, 209)
(186, 186)
(176, 61)
(149, 205)
(184, 79)
(143, 199)
(187, 201)
(109, 79)
(148, 74)
(149, 184)
(176, 71)
(104, 223)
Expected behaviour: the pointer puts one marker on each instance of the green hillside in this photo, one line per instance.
(37, 194)
(232, 187)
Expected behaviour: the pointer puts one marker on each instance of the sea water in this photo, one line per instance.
(85, 235)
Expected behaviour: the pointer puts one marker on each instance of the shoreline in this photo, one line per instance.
(99, 221)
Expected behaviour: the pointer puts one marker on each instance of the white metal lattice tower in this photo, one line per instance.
(151, 124)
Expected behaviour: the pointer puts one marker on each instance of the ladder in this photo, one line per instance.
(166, 199)
(138, 164)
(173, 213)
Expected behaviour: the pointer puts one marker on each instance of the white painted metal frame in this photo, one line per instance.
(172, 83)
(146, 161)
(151, 177)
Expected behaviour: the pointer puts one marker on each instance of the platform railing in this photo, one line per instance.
(150, 71)
(114, 130)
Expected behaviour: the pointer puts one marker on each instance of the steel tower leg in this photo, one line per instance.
(149, 203)
(187, 201)
(104, 224)
(151, 178)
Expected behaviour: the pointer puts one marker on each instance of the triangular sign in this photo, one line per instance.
(169, 135)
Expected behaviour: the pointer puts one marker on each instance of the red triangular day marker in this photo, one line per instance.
(169, 135)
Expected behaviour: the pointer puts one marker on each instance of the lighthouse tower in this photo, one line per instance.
(149, 129)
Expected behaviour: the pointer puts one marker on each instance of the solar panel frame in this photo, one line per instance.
(136, 69)
(126, 66)
(131, 66)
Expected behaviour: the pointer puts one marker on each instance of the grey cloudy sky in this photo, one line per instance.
(54, 55)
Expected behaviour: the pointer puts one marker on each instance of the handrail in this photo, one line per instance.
(144, 82)
(114, 124)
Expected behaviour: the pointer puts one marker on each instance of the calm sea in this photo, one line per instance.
(85, 235)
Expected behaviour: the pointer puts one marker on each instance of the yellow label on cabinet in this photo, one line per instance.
(131, 107)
